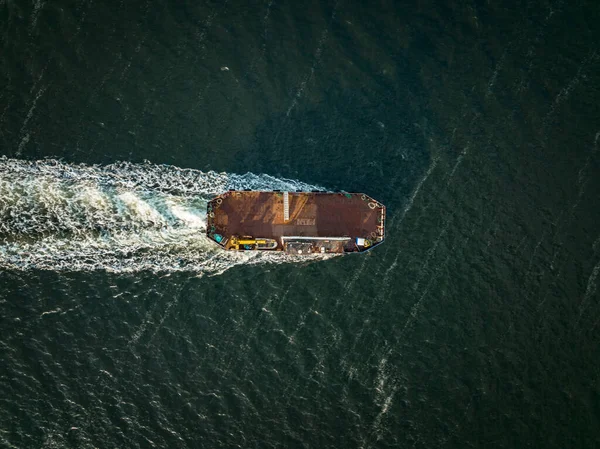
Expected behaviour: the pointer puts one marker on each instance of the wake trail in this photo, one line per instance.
(122, 217)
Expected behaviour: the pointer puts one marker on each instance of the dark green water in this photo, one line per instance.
(475, 325)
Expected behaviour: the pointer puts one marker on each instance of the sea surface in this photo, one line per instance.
(475, 325)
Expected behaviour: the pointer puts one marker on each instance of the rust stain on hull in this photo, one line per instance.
(296, 222)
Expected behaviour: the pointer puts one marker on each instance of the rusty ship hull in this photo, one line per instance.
(301, 223)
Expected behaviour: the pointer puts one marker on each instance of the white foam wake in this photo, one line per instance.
(122, 217)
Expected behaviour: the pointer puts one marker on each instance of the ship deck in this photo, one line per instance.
(317, 215)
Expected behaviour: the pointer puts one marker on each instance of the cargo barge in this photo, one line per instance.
(301, 223)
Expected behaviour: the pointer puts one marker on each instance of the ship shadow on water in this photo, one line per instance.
(355, 142)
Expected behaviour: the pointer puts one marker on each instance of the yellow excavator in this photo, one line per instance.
(249, 243)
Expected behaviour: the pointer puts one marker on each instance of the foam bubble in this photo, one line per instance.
(121, 217)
